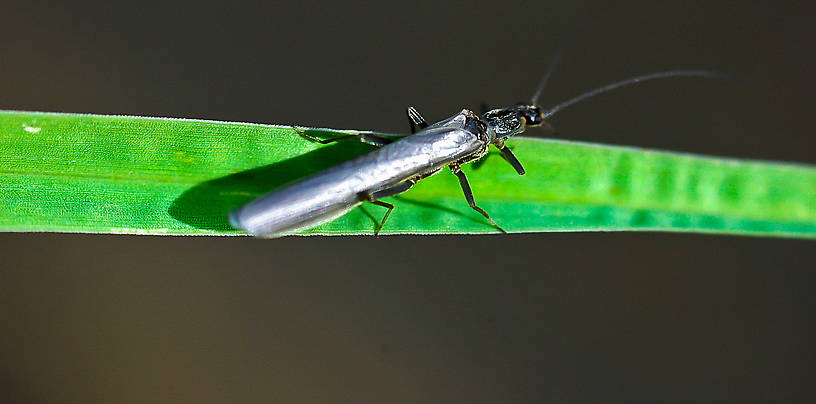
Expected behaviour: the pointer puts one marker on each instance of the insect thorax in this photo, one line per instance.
(503, 123)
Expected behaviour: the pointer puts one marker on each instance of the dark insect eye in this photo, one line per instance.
(531, 114)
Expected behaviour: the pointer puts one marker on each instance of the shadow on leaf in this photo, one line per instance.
(206, 205)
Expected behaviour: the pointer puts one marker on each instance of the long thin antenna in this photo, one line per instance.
(556, 59)
(633, 80)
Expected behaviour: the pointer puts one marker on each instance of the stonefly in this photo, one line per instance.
(400, 163)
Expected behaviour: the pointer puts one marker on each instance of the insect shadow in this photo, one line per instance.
(207, 204)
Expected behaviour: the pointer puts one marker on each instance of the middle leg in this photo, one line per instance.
(415, 119)
(469, 195)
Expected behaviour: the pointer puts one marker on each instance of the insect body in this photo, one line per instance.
(397, 165)
(389, 170)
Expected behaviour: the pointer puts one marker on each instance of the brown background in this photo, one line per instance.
(536, 317)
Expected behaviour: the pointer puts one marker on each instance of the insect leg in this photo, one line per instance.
(396, 189)
(469, 195)
(415, 119)
(510, 158)
(386, 205)
(369, 138)
(374, 196)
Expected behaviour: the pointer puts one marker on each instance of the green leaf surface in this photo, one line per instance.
(123, 174)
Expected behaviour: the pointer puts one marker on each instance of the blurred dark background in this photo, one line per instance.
(534, 317)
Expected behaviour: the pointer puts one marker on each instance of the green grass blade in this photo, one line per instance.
(120, 174)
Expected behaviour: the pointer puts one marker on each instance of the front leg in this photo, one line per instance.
(508, 156)
(463, 181)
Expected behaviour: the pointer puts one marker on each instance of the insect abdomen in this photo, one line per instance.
(291, 209)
